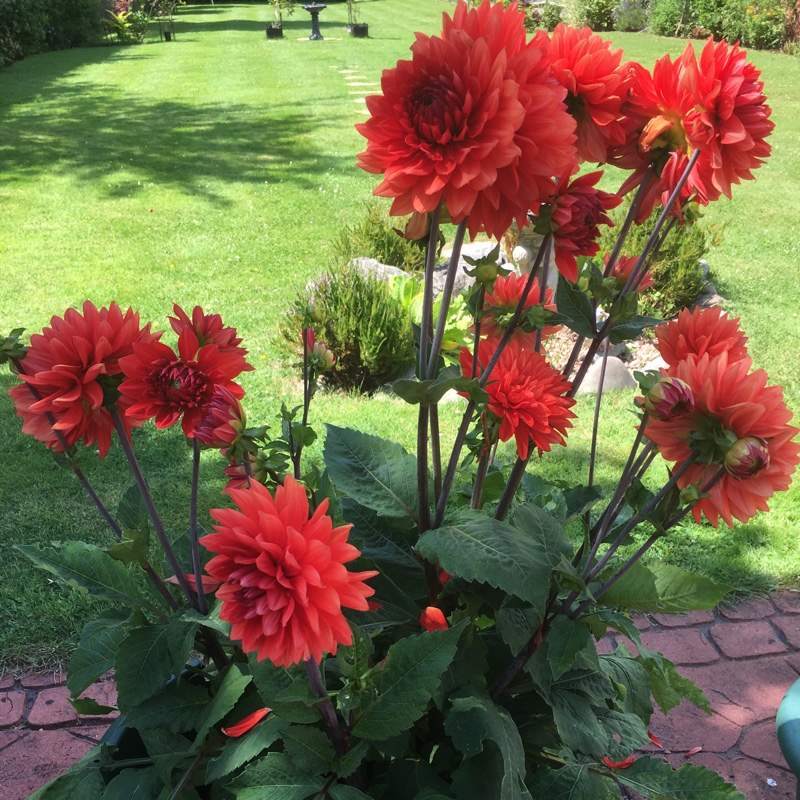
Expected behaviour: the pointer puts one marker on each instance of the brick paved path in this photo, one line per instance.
(744, 658)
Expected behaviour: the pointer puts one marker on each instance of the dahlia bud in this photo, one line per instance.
(321, 357)
(747, 457)
(416, 228)
(308, 340)
(222, 422)
(433, 619)
(669, 398)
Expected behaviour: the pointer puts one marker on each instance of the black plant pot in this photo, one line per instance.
(274, 33)
(360, 30)
(167, 36)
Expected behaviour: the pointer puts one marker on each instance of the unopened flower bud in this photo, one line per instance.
(669, 398)
(433, 619)
(747, 457)
(222, 422)
(416, 227)
(322, 358)
(308, 340)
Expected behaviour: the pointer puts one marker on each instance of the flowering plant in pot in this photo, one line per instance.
(425, 625)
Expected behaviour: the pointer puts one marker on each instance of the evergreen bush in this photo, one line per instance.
(374, 235)
(362, 322)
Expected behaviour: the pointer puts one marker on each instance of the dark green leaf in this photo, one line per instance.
(353, 660)
(349, 762)
(626, 733)
(232, 688)
(577, 723)
(404, 686)
(211, 620)
(89, 569)
(134, 784)
(310, 749)
(540, 526)
(89, 706)
(168, 750)
(239, 751)
(133, 548)
(631, 676)
(181, 640)
(579, 500)
(516, 626)
(664, 589)
(97, 651)
(430, 392)
(566, 639)
(667, 685)
(379, 473)
(572, 782)
(384, 542)
(479, 777)
(492, 552)
(631, 328)
(144, 664)
(131, 512)
(655, 779)
(178, 707)
(575, 307)
(274, 777)
(340, 791)
(285, 691)
(474, 718)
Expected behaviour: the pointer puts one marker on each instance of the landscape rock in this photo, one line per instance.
(371, 266)
(617, 377)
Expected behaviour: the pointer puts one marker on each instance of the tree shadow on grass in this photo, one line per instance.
(97, 134)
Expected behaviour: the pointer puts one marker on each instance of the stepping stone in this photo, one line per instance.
(747, 639)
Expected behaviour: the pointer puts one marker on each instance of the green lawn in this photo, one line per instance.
(216, 169)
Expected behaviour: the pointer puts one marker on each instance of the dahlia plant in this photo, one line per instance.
(424, 625)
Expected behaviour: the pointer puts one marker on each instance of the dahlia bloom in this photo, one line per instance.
(526, 395)
(208, 329)
(473, 121)
(284, 579)
(597, 84)
(695, 333)
(74, 367)
(623, 269)
(502, 300)
(731, 118)
(222, 421)
(715, 106)
(158, 383)
(730, 405)
(576, 211)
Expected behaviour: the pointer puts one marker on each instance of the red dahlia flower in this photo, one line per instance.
(73, 366)
(597, 83)
(158, 383)
(576, 211)
(695, 333)
(715, 105)
(284, 579)
(731, 118)
(208, 329)
(730, 405)
(623, 269)
(656, 118)
(502, 301)
(526, 395)
(474, 120)
(223, 420)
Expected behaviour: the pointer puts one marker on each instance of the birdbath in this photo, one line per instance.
(314, 9)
